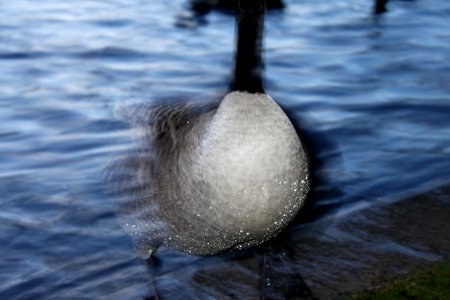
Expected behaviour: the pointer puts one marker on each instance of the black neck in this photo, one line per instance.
(250, 26)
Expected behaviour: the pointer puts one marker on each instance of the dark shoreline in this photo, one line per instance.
(369, 247)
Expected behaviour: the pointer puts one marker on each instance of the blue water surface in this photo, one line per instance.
(376, 88)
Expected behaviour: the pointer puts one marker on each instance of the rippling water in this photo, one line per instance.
(371, 93)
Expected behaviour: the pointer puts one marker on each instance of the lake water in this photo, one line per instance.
(371, 93)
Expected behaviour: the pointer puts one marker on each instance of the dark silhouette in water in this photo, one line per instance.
(380, 6)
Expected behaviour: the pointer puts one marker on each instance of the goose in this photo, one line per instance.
(219, 177)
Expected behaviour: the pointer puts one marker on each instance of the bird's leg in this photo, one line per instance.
(152, 264)
(279, 278)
